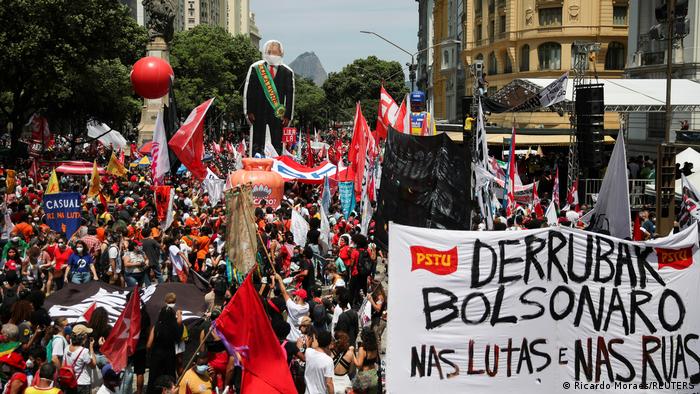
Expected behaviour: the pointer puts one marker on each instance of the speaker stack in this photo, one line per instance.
(590, 112)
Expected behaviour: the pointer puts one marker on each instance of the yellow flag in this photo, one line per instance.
(539, 151)
(95, 186)
(115, 167)
(52, 187)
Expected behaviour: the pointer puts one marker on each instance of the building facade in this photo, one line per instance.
(424, 56)
(242, 21)
(647, 59)
(448, 75)
(192, 13)
(533, 38)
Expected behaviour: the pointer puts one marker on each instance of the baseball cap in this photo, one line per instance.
(300, 293)
(80, 329)
(108, 373)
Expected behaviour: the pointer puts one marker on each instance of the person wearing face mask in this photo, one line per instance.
(268, 97)
(197, 380)
(80, 265)
(17, 243)
(44, 383)
(60, 253)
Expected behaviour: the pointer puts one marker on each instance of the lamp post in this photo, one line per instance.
(412, 65)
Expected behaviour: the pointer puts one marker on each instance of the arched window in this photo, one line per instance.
(549, 55)
(615, 56)
(493, 64)
(525, 58)
(507, 64)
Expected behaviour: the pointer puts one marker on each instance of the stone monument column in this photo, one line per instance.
(157, 47)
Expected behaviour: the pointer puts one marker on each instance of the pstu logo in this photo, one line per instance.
(678, 259)
(436, 261)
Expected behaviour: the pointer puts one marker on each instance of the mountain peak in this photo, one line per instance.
(309, 66)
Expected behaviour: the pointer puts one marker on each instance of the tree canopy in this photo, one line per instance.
(361, 81)
(68, 59)
(310, 106)
(209, 62)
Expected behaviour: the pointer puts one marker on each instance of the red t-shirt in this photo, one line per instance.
(60, 256)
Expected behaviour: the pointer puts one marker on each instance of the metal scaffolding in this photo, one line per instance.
(580, 51)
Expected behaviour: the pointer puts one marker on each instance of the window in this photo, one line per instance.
(493, 64)
(477, 7)
(491, 29)
(656, 124)
(507, 64)
(525, 58)
(620, 15)
(445, 59)
(615, 56)
(478, 32)
(550, 16)
(502, 23)
(549, 55)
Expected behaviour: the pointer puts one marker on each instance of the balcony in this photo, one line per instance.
(653, 58)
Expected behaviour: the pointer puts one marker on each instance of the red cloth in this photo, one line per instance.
(188, 142)
(243, 322)
(122, 340)
(358, 149)
(309, 151)
(637, 232)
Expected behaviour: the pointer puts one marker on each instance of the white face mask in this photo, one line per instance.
(274, 60)
(79, 249)
(171, 306)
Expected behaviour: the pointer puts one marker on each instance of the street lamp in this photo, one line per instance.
(412, 65)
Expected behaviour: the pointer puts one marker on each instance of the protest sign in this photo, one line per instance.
(346, 190)
(541, 311)
(63, 212)
(289, 135)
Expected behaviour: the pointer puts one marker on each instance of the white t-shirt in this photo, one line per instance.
(294, 313)
(104, 390)
(59, 346)
(334, 320)
(319, 366)
(175, 258)
(81, 366)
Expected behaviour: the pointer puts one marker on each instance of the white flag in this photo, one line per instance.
(366, 213)
(299, 228)
(160, 161)
(551, 214)
(611, 213)
(689, 211)
(214, 187)
(170, 216)
(325, 239)
(270, 150)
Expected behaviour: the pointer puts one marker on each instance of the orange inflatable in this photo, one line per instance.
(267, 185)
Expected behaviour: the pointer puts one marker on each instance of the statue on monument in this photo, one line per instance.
(161, 15)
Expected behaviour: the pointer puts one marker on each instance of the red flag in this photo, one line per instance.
(229, 147)
(34, 171)
(510, 182)
(358, 149)
(309, 151)
(88, 312)
(163, 202)
(637, 233)
(244, 325)
(555, 189)
(402, 123)
(121, 156)
(216, 148)
(387, 113)
(572, 196)
(539, 212)
(134, 151)
(188, 142)
(122, 340)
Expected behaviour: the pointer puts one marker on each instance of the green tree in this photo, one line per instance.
(68, 59)
(310, 107)
(209, 62)
(361, 81)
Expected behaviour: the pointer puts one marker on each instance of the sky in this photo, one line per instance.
(331, 28)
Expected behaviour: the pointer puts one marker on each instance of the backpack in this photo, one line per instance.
(103, 265)
(67, 378)
(364, 263)
(49, 347)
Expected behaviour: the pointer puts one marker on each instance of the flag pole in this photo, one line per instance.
(186, 366)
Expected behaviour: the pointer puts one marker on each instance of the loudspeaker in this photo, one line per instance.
(590, 112)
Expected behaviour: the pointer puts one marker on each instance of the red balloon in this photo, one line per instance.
(151, 77)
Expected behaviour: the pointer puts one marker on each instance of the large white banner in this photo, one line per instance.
(541, 311)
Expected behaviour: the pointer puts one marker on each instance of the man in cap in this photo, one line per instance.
(268, 97)
(421, 121)
(111, 380)
(297, 307)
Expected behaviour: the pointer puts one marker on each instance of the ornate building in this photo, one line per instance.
(532, 39)
(448, 76)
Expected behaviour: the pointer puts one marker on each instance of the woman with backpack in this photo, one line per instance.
(74, 375)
